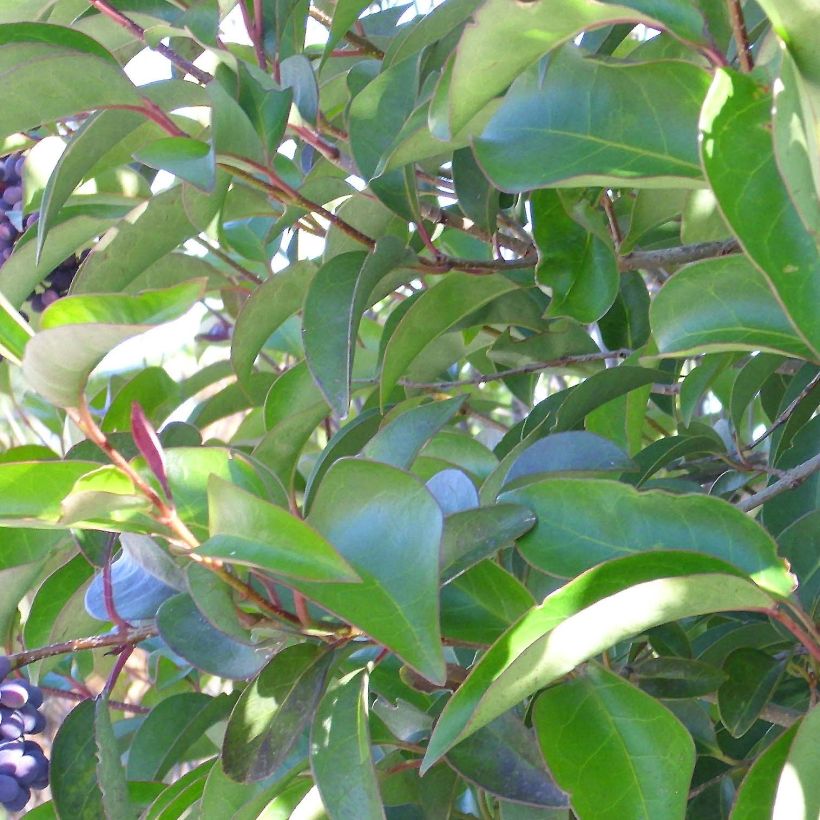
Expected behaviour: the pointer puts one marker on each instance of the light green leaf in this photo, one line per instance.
(340, 754)
(616, 750)
(794, 22)
(14, 332)
(248, 531)
(78, 331)
(273, 711)
(591, 613)
(738, 157)
(722, 304)
(49, 72)
(563, 134)
(435, 312)
(148, 233)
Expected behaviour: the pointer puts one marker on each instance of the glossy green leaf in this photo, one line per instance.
(265, 310)
(50, 72)
(273, 712)
(89, 327)
(526, 32)
(793, 22)
(752, 677)
(170, 729)
(721, 304)
(181, 794)
(376, 516)
(186, 631)
(594, 611)
(248, 531)
(476, 197)
(583, 522)
(504, 758)
(563, 134)
(405, 431)
(340, 754)
(737, 152)
(472, 535)
(438, 309)
(617, 751)
(748, 383)
(798, 787)
(214, 598)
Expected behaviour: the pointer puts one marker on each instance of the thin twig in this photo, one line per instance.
(612, 219)
(787, 413)
(652, 260)
(744, 50)
(533, 367)
(132, 636)
(356, 39)
(791, 479)
(224, 257)
(809, 639)
(77, 697)
(139, 32)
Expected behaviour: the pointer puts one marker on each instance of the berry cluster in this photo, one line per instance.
(23, 766)
(12, 225)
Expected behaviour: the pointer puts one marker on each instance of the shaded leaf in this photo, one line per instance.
(273, 712)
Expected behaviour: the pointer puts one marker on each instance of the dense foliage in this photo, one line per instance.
(488, 484)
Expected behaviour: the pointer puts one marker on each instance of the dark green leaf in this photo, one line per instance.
(504, 759)
(583, 522)
(752, 678)
(273, 711)
(674, 678)
(110, 774)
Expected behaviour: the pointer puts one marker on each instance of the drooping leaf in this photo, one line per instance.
(170, 729)
(340, 754)
(273, 712)
(110, 773)
(336, 299)
(611, 746)
(265, 310)
(612, 601)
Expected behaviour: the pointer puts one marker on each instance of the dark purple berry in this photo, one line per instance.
(5, 666)
(31, 219)
(9, 790)
(35, 695)
(13, 694)
(13, 194)
(37, 303)
(24, 795)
